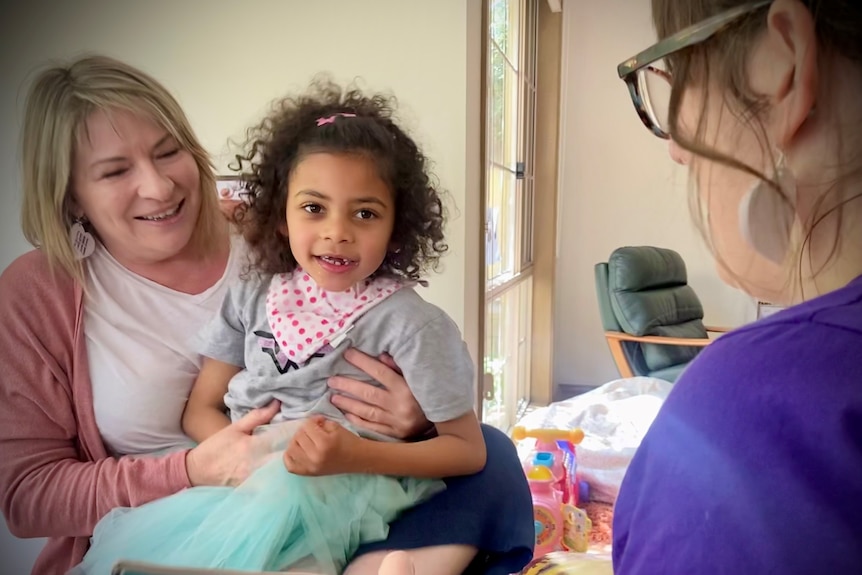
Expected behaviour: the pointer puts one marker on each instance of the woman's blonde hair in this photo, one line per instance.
(58, 104)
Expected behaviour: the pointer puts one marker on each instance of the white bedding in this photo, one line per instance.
(614, 418)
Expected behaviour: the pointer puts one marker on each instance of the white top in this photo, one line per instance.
(139, 345)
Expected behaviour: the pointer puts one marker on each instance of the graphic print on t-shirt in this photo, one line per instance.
(269, 346)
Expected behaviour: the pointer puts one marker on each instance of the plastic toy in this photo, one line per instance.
(562, 563)
(551, 471)
(547, 510)
(575, 436)
(560, 444)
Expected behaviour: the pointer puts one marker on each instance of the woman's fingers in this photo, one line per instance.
(392, 408)
(359, 390)
(228, 456)
(387, 360)
(369, 410)
(257, 417)
(379, 371)
(360, 423)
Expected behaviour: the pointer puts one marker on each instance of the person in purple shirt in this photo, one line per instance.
(754, 463)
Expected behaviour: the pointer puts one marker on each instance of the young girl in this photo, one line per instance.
(342, 221)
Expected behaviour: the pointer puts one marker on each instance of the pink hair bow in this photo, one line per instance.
(323, 121)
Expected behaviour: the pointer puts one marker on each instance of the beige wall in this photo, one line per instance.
(226, 60)
(618, 187)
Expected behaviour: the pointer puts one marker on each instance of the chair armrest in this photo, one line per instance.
(718, 329)
(657, 339)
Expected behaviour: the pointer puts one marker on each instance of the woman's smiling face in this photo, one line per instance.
(137, 187)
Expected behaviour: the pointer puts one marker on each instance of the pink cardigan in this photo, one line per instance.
(56, 478)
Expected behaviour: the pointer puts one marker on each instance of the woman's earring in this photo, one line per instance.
(766, 218)
(83, 243)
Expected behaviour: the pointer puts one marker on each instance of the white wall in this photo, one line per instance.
(618, 187)
(225, 60)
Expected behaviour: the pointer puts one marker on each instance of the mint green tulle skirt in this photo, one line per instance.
(271, 522)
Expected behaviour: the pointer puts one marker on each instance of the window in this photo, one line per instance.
(510, 119)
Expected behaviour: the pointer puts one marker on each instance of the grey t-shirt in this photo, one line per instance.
(424, 342)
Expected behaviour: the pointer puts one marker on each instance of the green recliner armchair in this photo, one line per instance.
(653, 320)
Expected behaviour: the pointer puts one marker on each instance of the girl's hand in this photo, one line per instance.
(229, 456)
(390, 410)
(321, 447)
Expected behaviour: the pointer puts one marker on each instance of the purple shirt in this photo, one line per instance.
(754, 463)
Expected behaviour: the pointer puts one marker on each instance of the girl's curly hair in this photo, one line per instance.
(290, 132)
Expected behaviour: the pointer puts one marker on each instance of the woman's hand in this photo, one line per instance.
(391, 410)
(229, 456)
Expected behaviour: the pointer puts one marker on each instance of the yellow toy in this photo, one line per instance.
(574, 436)
(562, 563)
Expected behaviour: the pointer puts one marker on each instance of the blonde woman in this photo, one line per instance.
(754, 464)
(96, 359)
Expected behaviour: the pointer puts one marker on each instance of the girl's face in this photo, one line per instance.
(339, 217)
(139, 190)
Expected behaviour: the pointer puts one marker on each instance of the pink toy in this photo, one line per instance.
(551, 471)
(547, 511)
(560, 444)
(554, 462)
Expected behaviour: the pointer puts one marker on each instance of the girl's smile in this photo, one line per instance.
(336, 265)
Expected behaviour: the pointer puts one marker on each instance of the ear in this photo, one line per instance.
(282, 229)
(784, 68)
(72, 206)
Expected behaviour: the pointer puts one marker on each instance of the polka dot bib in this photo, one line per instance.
(305, 318)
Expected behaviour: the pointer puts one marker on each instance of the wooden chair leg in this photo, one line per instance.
(620, 358)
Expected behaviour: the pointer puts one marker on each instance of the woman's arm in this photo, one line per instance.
(47, 488)
(204, 414)
(323, 447)
(55, 478)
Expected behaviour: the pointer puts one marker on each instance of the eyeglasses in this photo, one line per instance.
(650, 85)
